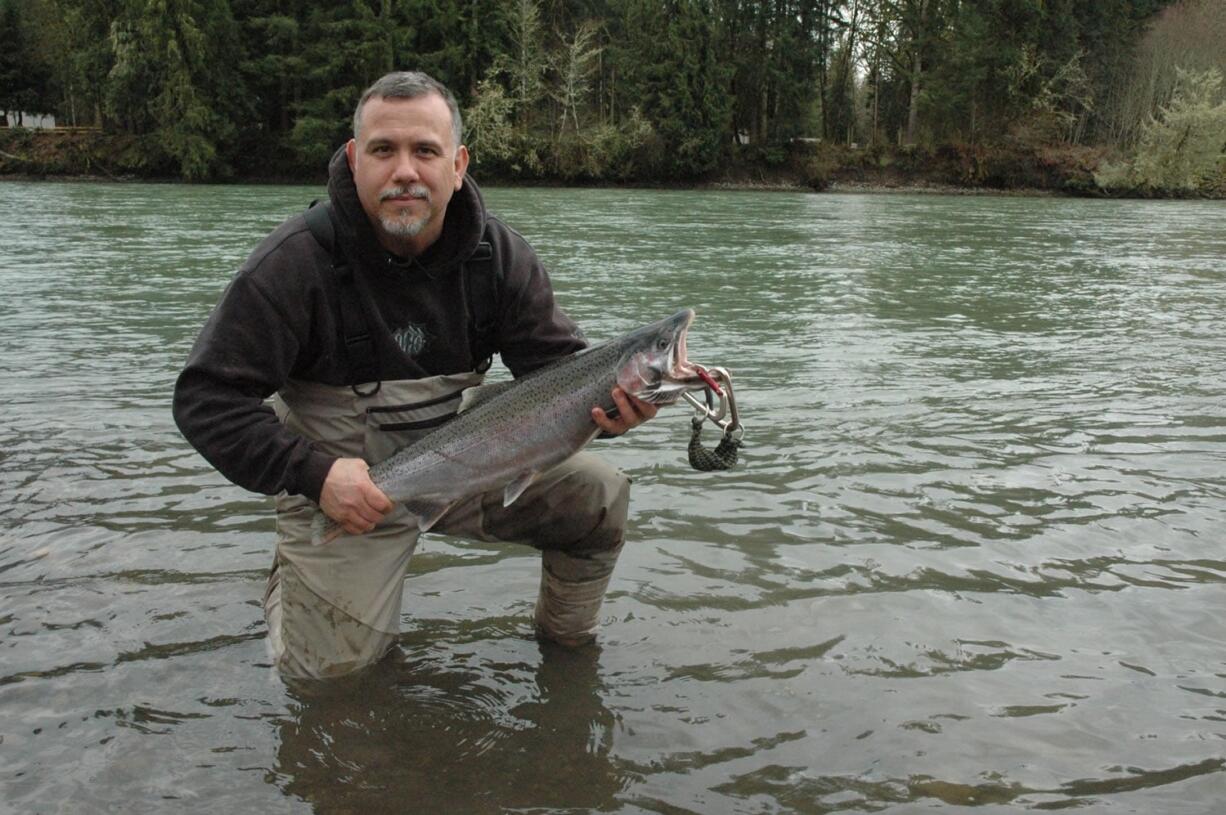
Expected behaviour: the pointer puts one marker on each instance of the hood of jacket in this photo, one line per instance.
(463, 226)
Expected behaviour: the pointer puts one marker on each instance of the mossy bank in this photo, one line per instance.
(85, 153)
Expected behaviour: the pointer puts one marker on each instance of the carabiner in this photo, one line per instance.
(719, 383)
(726, 417)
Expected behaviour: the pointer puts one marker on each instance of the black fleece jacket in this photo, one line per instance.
(279, 319)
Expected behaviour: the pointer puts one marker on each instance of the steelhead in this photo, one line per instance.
(510, 433)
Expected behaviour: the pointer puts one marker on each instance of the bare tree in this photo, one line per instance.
(1187, 36)
(528, 61)
(577, 63)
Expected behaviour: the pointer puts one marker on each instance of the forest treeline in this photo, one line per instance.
(1113, 94)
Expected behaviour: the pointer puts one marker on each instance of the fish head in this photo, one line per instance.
(653, 365)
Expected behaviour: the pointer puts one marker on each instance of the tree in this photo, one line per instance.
(175, 79)
(62, 53)
(1010, 66)
(838, 107)
(1181, 147)
(274, 67)
(22, 84)
(669, 57)
(372, 33)
(906, 37)
(1187, 36)
(527, 60)
(606, 88)
(575, 67)
(23, 81)
(491, 136)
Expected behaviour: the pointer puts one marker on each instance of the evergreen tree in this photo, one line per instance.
(680, 83)
(602, 88)
(69, 45)
(346, 48)
(20, 88)
(175, 80)
(274, 67)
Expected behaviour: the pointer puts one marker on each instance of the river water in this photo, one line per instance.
(972, 558)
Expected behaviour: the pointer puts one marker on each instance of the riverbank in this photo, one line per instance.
(1003, 169)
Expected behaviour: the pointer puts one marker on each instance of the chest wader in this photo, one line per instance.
(335, 608)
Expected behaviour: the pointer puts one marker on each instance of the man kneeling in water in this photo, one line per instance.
(366, 344)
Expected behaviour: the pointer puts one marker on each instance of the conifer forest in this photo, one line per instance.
(1109, 95)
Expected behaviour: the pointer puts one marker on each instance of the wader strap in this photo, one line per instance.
(482, 285)
(359, 345)
(482, 281)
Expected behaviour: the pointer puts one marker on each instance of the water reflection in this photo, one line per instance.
(438, 737)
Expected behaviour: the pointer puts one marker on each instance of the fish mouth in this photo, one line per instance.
(682, 371)
(665, 380)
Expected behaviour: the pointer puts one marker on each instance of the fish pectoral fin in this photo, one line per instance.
(427, 513)
(516, 488)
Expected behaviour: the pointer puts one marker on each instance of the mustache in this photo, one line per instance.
(413, 190)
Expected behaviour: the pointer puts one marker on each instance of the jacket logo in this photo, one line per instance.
(411, 339)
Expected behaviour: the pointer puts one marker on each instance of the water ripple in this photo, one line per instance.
(971, 555)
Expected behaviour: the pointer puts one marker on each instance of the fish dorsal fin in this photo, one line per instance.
(472, 397)
(516, 488)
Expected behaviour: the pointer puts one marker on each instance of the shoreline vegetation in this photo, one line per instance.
(92, 155)
(1113, 98)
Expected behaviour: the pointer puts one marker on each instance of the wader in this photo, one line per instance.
(335, 608)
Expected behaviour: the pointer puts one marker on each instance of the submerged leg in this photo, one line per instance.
(572, 592)
(309, 637)
(334, 609)
(576, 515)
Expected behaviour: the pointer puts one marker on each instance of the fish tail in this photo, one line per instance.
(324, 530)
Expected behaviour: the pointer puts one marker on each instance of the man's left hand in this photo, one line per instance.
(631, 412)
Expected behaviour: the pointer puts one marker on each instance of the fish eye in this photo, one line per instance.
(662, 344)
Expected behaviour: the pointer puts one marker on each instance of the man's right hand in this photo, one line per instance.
(351, 499)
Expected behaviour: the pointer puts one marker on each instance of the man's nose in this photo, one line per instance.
(406, 167)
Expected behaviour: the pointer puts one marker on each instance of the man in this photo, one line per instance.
(367, 344)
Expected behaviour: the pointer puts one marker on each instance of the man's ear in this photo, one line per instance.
(461, 166)
(351, 147)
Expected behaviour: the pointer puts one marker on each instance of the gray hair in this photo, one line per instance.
(409, 85)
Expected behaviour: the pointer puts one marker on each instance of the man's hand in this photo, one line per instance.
(631, 412)
(351, 499)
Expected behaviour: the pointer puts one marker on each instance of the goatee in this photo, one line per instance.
(404, 225)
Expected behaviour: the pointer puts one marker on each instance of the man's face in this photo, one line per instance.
(406, 166)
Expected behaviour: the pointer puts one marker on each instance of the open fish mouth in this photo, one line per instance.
(667, 371)
(683, 372)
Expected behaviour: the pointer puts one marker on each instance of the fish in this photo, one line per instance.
(509, 433)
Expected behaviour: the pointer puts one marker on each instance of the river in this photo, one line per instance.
(971, 559)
